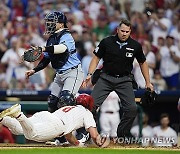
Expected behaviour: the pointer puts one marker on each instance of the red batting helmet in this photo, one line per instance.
(86, 101)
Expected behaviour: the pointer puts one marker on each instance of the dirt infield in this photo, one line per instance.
(33, 146)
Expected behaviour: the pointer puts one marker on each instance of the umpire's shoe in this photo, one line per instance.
(14, 111)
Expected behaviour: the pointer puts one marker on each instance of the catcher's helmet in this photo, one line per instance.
(86, 101)
(66, 98)
(51, 19)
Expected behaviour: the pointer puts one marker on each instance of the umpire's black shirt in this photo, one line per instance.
(118, 56)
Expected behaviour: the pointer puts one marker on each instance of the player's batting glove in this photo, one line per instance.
(32, 54)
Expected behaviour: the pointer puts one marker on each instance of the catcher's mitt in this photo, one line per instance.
(148, 98)
(32, 54)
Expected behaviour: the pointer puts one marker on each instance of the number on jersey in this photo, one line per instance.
(68, 108)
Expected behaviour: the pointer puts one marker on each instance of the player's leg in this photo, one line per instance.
(46, 127)
(114, 120)
(73, 79)
(104, 121)
(13, 125)
(101, 90)
(36, 128)
(26, 124)
(126, 94)
(41, 127)
(56, 88)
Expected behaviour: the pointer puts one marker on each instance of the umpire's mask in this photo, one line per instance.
(51, 19)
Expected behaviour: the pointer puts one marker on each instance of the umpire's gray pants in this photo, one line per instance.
(123, 87)
(69, 80)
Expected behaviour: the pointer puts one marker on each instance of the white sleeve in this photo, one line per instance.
(89, 120)
(176, 50)
(151, 58)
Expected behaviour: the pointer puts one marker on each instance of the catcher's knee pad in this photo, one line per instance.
(52, 103)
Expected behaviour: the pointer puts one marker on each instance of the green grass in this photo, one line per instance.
(83, 151)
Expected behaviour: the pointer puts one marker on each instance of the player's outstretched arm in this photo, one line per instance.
(97, 138)
(71, 139)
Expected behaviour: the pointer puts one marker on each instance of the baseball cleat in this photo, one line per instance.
(82, 138)
(14, 111)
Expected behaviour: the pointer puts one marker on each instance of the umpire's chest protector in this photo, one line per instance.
(57, 60)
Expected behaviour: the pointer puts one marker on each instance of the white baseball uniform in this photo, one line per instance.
(166, 137)
(109, 117)
(147, 132)
(44, 126)
(150, 59)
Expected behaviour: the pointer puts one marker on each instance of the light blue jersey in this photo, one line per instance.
(59, 63)
(73, 60)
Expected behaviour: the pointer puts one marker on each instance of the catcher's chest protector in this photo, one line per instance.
(57, 60)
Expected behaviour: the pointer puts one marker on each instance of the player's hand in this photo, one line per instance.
(36, 48)
(86, 82)
(102, 141)
(150, 86)
(29, 73)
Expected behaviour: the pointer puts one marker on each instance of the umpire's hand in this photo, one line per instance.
(150, 86)
(86, 82)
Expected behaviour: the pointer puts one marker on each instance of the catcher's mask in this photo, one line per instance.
(66, 98)
(85, 100)
(51, 19)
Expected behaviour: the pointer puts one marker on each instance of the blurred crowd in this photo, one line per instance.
(155, 24)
